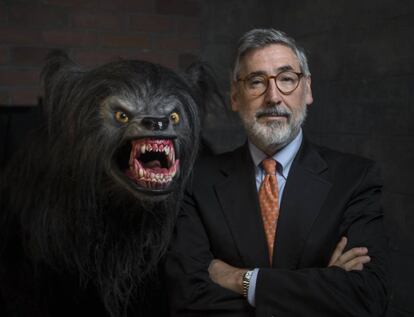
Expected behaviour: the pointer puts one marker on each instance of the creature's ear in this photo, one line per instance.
(211, 105)
(55, 61)
(58, 76)
(202, 79)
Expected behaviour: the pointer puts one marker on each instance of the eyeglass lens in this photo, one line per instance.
(286, 82)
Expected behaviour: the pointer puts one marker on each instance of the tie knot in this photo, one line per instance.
(269, 166)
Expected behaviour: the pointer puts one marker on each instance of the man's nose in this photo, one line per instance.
(273, 95)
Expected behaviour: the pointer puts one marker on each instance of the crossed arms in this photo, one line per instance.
(231, 277)
(204, 281)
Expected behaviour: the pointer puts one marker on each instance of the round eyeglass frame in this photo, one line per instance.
(300, 75)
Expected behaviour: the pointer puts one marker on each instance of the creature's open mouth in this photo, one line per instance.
(152, 163)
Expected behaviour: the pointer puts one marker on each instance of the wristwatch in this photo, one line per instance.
(246, 282)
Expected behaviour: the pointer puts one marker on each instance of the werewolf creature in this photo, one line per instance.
(89, 205)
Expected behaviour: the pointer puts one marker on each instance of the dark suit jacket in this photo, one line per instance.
(327, 195)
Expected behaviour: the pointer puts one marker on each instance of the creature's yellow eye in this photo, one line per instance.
(175, 117)
(121, 117)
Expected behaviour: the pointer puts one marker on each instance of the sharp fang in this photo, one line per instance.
(143, 148)
(141, 172)
(132, 157)
(167, 150)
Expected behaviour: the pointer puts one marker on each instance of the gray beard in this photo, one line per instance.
(273, 136)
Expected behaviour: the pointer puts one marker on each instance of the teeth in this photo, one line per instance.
(141, 172)
(155, 147)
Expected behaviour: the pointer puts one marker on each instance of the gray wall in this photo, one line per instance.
(361, 59)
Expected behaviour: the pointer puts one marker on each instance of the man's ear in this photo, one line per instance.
(234, 95)
(308, 92)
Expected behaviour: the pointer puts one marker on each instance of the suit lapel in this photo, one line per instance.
(237, 195)
(305, 191)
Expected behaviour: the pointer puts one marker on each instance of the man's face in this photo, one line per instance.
(273, 119)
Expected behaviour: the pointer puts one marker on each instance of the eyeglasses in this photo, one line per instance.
(257, 84)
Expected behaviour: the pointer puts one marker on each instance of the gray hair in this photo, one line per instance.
(259, 38)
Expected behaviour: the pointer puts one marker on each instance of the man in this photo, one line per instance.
(257, 242)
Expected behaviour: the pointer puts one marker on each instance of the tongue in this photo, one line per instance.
(155, 167)
(152, 164)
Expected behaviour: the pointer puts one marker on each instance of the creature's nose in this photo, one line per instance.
(155, 124)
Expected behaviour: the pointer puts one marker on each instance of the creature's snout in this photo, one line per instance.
(155, 124)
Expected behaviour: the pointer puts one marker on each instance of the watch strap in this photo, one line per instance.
(246, 282)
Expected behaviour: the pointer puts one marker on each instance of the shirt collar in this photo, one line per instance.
(284, 157)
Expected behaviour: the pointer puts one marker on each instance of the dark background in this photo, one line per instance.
(360, 55)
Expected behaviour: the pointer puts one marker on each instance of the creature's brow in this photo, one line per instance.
(171, 103)
(119, 104)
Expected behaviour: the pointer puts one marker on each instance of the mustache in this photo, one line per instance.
(275, 110)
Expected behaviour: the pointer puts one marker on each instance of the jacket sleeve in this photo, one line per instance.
(191, 292)
(333, 291)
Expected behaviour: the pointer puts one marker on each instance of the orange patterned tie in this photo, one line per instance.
(269, 202)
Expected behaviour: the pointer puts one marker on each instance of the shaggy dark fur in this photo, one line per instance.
(81, 227)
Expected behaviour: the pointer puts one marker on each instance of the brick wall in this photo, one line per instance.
(92, 32)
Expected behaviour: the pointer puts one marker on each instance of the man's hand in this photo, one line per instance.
(227, 276)
(353, 259)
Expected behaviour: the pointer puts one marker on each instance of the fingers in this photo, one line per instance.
(338, 250)
(356, 263)
(352, 254)
(353, 259)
